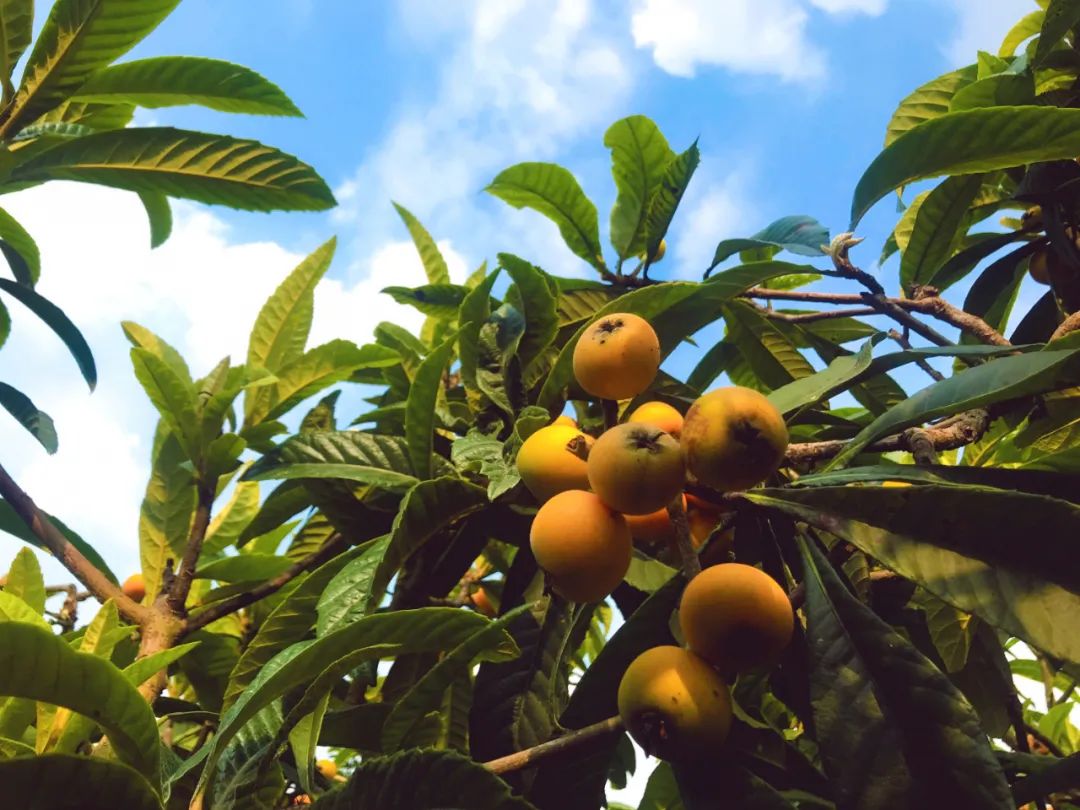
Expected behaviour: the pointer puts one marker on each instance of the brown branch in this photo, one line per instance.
(217, 610)
(921, 446)
(802, 295)
(185, 574)
(968, 427)
(611, 413)
(70, 557)
(810, 317)
(927, 301)
(553, 748)
(1067, 327)
(691, 563)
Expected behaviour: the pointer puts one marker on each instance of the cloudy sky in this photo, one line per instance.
(423, 102)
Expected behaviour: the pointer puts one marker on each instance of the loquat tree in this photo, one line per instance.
(831, 572)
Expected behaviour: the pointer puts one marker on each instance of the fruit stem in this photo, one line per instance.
(552, 748)
(611, 413)
(691, 564)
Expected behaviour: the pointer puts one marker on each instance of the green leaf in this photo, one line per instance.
(426, 509)
(999, 90)
(38, 423)
(65, 781)
(888, 722)
(473, 314)
(304, 738)
(172, 396)
(1011, 598)
(552, 190)
(160, 216)
(537, 304)
(1028, 26)
(1060, 17)
(492, 643)
(422, 780)
(1003, 379)
(244, 567)
(285, 502)
(667, 196)
(14, 609)
(212, 169)
(74, 119)
(287, 623)
(936, 229)
(79, 38)
(965, 260)
(55, 319)
(639, 155)
(315, 370)
(37, 665)
(145, 339)
(349, 595)
(5, 324)
(434, 264)
(423, 629)
(11, 523)
(968, 142)
(647, 574)
(951, 630)
(24, 580)
(436, 300)
(232, 519)
(816, 387)
(282, 326)
(166, 512)
(351, 455)
(15, 237)
(16, 32)
(169, 81)
(774, 359)
(420, 411)
(795, 234)
(928, 101)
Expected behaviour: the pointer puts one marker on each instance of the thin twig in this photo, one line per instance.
(691, 563)
(902, 341)
(216, 610)
(185, 574)
(554, 748)
(72, 559)
(611, 413)
(810, 317)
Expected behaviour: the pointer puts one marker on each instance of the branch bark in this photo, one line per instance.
(930, 303)
(226, 606)
(1068, 326)
(553, 748)
(72, 559)
(185, 574)
(965, 429)
(691, 563)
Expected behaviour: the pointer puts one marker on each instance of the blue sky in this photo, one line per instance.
(423, 102)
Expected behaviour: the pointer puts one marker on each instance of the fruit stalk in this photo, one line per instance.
(691, 564)
(611, 413)
(553, 748)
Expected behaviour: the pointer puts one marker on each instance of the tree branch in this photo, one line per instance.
(927, 301)
(966, 428)
(903, 342)
(1068, 326)
(217, 610)
(921, 445)
(185, 574)
(810, 317)
(72, 559)
(553, 748)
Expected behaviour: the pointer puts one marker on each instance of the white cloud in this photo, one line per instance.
(520, 80)
(871, 7)
(713, 210)
(981, 25)
(765, 37)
